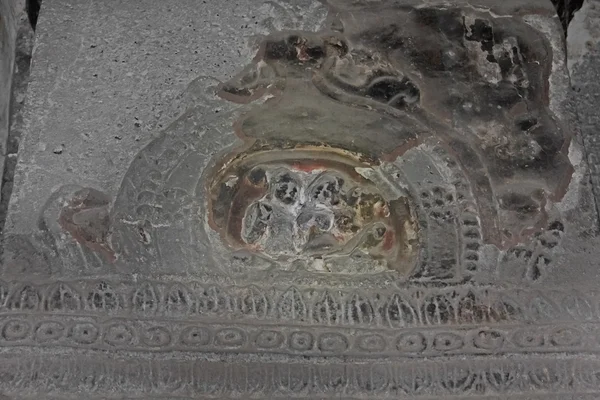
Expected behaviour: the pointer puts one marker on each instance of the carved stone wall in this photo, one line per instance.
(385, 200)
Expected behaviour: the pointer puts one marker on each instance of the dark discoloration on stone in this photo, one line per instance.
(86, 218)
(475, 82)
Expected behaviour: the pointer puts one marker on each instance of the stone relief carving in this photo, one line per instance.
(371, 188)
(368, 147)
(478, 379)
(292, 206)
(163, 336)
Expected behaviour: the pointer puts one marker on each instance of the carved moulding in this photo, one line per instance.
(207, 377)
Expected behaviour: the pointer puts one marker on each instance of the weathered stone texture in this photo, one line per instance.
(584, 59)
(295, 199)
(9, 15)
(17, 56)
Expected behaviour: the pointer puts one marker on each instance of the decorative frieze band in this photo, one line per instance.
(158, 336)
(110, 376)
(410, 307)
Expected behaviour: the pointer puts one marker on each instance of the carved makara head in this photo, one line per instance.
(386, 80)
(403, 138)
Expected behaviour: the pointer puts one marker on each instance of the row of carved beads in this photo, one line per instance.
(137, 335)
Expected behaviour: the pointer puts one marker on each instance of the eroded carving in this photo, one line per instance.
(502, 130)
(536, 378)
(347, 196)
(290, 206)
(363, 148)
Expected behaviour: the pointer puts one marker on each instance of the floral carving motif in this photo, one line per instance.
(400, 308)
(538, 378)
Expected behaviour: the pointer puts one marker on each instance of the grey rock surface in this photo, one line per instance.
(18, 60)
(584, 60)
(107, 85)
(10, 13)
(296, 199)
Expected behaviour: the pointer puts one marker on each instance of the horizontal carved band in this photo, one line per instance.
(464, 305)
(26, 374)
(168, 336)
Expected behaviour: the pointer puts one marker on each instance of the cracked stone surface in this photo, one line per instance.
(296, 199)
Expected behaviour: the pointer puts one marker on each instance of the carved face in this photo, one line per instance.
(307, 204)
